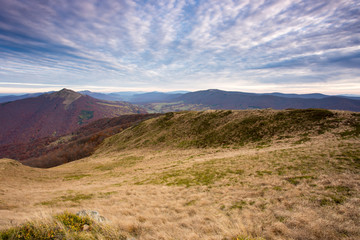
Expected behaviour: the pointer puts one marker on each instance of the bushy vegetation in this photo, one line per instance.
(62, 226)
(85, 115)
(74, 222)
(33, 231)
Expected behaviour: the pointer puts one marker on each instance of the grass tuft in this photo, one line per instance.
(296, 180)
(76, 177)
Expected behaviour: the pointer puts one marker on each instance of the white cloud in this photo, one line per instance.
(180, 43)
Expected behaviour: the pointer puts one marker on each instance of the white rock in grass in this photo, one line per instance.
(91, 214)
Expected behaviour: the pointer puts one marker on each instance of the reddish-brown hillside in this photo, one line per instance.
(53, 151)
(55, 114)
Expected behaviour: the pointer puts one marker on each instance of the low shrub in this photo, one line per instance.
(62, 226)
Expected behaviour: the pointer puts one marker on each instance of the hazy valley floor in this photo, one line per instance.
(307, 190)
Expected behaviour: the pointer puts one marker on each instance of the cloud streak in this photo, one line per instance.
(187, 44)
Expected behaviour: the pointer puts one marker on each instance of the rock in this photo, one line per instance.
(94, 215)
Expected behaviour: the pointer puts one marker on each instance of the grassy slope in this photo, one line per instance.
(233, 128)
(293, 178)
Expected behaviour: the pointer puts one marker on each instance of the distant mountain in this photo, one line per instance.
(55, 114)
(310, 95)
(178, 92)
(152, 97)
(10, 98)
(217, 99)
(136, 97)
(103, 96)
(354, 97)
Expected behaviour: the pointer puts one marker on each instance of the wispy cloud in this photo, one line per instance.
(187, 44)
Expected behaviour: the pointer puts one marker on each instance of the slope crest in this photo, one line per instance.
(221, 128)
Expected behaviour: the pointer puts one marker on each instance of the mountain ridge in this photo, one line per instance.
(156, 96)
(218, 99)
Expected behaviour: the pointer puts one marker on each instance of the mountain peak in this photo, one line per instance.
(68, 95)
(65, 93)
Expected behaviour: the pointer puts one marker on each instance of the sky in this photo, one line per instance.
(290, 46)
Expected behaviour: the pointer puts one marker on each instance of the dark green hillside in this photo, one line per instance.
(235, 128)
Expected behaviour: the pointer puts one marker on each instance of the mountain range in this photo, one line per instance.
(60, 113)
(157, 97)
(135, 97)
(217, 99)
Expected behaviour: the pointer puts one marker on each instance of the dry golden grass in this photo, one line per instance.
(283, 190)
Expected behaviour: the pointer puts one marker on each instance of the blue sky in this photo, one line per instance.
(297, 46)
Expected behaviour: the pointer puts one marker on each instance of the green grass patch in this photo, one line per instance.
(205, 174)
(297, 180)
(106, 194)
(264, 172)
(350, 157)
(128, 161)
(189, 203)
(302, 140)
(354, 125)
(77, 197)
(278, 188)
(241, 237)
(238, 205)
(49, 203)
(76, 177)
(192, 177)
(331, 199)
(339, 189)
